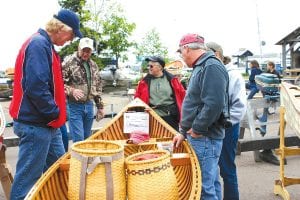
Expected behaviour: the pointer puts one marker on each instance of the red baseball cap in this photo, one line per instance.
(191, 38)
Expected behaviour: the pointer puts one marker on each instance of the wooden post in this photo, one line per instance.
(283, 151)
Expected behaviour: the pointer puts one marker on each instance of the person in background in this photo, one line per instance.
(238, 107)
(82, 86)
(267, 155)
(162, 91)
(251, 85)
(271, 69)
(203, 110)
(38, 105)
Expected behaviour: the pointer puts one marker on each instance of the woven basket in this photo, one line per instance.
(97, 171)
(151, 179)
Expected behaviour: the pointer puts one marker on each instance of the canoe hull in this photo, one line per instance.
(54, 183)
(290, 99)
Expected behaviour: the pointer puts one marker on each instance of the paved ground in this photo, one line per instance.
(256, 179)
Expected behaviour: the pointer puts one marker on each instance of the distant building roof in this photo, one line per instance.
(175, 67)
(243, 53)
(291, 37)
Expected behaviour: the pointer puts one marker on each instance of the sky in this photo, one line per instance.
(234, 24)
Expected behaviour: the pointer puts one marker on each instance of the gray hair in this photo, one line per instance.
(196, 45)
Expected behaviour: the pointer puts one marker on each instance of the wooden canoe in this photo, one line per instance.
(53, 184)
(290, 99)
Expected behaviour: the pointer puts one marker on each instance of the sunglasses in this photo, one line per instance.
(151, 66)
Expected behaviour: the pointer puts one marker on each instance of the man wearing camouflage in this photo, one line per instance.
(82, 85)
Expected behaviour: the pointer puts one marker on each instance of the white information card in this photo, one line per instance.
(136, 121)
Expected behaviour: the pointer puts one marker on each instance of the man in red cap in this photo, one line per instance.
(38, 106)
(204, 110)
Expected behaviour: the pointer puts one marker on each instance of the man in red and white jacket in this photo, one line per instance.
(38, 105)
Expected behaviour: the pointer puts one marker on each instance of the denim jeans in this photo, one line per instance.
(39, 148)
(65, 136)
(264, 118)
(227, 164)
(208, 152)
(81, 120)
(253, 91)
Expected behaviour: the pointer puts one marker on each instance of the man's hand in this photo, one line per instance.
(77, 94)
(177, 140)
(99, 114)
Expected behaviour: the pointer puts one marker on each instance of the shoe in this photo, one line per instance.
(268, 156)
(262, 131)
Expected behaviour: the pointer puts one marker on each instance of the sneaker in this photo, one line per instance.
(268, 156)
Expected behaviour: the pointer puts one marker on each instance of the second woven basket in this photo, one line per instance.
(152, 178)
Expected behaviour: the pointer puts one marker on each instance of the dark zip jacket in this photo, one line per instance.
(205, 98)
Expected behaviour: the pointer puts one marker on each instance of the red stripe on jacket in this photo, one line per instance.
(58, 84)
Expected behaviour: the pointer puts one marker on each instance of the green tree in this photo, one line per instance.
(151, 45)
(117, 31)
(102, 21)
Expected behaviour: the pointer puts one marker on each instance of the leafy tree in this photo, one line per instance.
(117, 30)
(74, 5)
(100, 21)
(151, 45)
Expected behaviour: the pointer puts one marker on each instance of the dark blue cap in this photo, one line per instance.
(158, 59)
(69, 18)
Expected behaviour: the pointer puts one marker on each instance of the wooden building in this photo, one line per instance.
(290, 46)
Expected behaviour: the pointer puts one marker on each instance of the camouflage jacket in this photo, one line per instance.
(75, 77)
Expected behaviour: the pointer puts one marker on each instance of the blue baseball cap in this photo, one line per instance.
(69, 18)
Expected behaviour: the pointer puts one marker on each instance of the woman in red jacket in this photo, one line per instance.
(162, 91)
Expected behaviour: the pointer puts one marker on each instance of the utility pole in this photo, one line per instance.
(260, 43)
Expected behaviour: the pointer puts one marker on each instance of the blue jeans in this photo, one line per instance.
(208, 152)
(227, 164)
(81, 120)
(264, 118)
(253, 90)
(65, 136)
(39, 148)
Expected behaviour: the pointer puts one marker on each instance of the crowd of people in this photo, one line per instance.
(47, 92)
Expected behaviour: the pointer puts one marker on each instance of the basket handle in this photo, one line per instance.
(94, 161)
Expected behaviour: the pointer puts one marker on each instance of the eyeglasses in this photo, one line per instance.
(181, 49)
(151, 66)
